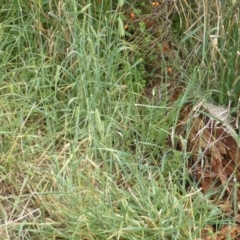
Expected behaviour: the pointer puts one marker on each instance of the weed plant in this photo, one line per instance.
(82, 156)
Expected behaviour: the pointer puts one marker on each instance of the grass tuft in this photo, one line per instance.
(84, 155)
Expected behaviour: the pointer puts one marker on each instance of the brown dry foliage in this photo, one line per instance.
(214, 164)
(215, 152)
(227, 232)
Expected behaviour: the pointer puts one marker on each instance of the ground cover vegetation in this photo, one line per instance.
(91, 97)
